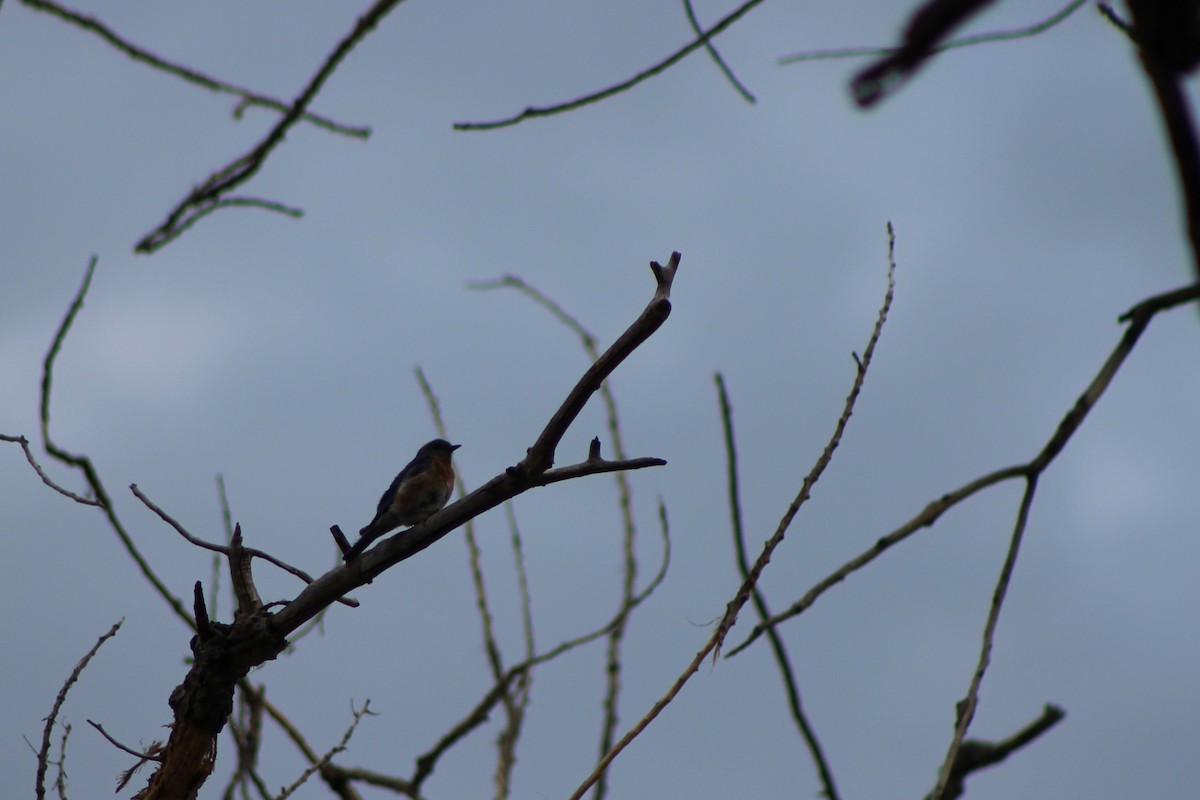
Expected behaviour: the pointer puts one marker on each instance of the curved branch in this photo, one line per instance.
(546, 111)
(223, 549)
(21, 440)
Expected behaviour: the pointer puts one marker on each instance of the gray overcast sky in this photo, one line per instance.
(1033, 201)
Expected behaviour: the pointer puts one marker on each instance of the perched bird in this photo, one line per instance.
(421, 488)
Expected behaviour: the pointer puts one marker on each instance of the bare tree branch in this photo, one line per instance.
(207, 196)
(223, 549)
(966, 41)
(325, 759)
(712, 647)
(479, 714)
(613, 665)
(44, 752)
(966, 708)
(21, 440)
(224, 654)
(546, 111)
(786, 671)
(248, 97)
(714, 55)
(1138, 318)
(148, 755)
(83, 463)
(975, 755)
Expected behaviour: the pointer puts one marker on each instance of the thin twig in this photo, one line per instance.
(60, 777)
(712, 647)
(966, 41)
(716, 57)
(570, 105)
(333, 751)
(479, 714)
(1138, 317)
(966, 708)
(975, 755)
(44, 752)
(224, 549)
(144, 756)
(1154, 26)
(786, 671)
(613, 664)
(21, 440)
(506, 759)
(205, 198)
(83, 463)
(248, 97)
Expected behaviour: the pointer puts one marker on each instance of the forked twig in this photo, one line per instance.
(533, 112)
(210, 195)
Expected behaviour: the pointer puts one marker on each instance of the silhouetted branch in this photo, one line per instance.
(223, 549)
(44, 752)
(545, 111)
(1169, 47)
(1138, 318)
(83, 463)
(148, 755)
(248, 97)
(479, 714)
(320, 763)
(209, 195)
(716, 57)
(975, 755)
(735, 605)
(966, 41)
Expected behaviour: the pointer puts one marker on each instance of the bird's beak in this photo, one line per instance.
(454, 447)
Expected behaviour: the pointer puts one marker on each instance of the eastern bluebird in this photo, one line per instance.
(421, 488)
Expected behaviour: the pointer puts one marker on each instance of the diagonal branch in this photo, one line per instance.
(248, 97)
(83, 463)
(223, 549)
(786, 671)
(204, 198)
(44, 752)
(1138, 317)
(966, 41)
(743, 594)
(21, 440)
(225, 654)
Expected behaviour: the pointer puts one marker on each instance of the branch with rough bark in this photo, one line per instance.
(225, 653)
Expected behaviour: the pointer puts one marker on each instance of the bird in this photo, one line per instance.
(421, 489)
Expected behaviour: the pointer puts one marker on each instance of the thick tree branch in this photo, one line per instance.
(1167, 33)
(224, 654)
